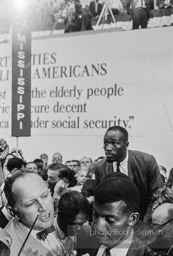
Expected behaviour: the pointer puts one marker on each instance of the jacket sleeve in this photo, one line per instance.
(154, 181)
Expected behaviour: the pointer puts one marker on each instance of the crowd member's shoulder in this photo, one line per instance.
(86, 242)
(100, 163)
(140, 154)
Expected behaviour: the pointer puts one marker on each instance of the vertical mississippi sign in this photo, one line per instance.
(21, 81)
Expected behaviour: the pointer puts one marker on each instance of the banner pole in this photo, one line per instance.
(17, 146)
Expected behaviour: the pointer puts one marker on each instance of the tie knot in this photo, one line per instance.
(42, 235)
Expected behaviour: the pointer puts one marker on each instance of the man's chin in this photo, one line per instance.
(110, 159)
(106, 242)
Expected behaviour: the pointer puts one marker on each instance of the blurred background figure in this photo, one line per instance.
(31, 166)
(170, 179)
(86, 161)
(53, 175)
(44, 157)
(95, 8)
(116, 6)
(4, 150)
(80, 19)
(163, 173)
(57, 158)
(81, 177)
(65, 176)
(74, 165)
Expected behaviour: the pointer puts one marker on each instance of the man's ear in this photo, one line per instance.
(11, 210)
(133, 218)
(127, 144)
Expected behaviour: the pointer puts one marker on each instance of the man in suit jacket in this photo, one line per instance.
(30, 201)
(141, 167)
(115, 213)
(95, 8)
(140, 12)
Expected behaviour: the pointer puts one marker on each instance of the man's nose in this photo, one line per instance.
(108, 147)
(98, 222)
(41, 205)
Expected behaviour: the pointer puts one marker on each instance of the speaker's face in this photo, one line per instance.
(33, 198)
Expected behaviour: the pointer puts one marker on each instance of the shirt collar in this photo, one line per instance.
(123, 165)
(124, 162)
(58, 231)
(119, 250)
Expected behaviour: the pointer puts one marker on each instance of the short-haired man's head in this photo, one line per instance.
(73, 164)
(9, 185)
(32, 166)
(57, 158)
(56, 166)
(14, 163)
(29, 198)
(44, 156)
(120, 188)
(71, 204)
(121, 129)
(66, 174)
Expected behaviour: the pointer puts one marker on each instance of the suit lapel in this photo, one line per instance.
(108, 168)
(130, 166)
(32, 245)
(137, 248)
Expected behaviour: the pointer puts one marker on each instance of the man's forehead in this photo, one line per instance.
(108, 208)
(57, 155)
(28, 182)
(113, 133)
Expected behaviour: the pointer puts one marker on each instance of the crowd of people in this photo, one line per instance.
(79, 15)
(118, 204)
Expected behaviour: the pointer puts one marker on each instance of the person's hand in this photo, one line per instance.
(4, 148)
(59, 189)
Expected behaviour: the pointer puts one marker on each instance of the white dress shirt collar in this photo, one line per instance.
(119, 250)
(123, 165)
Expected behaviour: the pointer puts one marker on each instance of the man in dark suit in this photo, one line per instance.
(140, 12)
(141, 167)
(95, 8)
(115, 213)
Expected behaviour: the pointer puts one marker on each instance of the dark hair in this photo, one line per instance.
(39, 163)
(88, 188)
(56, 166)
(71, 204)
(117, 188)
(121, 129)
(15, 162)
(66, 173)
(76, 161)
(9, 184)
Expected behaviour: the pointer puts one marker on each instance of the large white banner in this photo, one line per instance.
(81, 85)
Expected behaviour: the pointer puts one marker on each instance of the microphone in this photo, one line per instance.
(28, 235)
